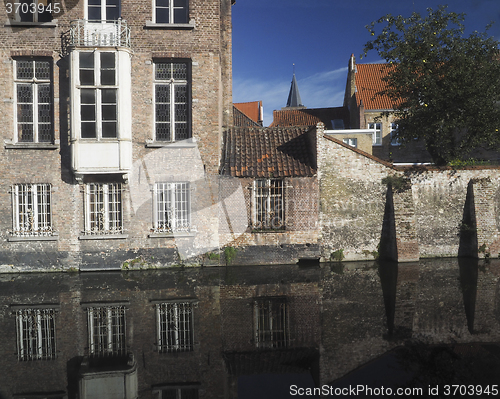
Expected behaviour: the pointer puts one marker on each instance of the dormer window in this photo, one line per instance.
(103, 10)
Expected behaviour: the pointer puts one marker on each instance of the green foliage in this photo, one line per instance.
(337, 255)
(213, 256)
(460, 163)
(229, 254)
(398, 183)
(445, 85)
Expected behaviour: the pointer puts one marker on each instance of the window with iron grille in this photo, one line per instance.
(177, 392)
(174, 326)
(31, 210)
(106, 331)
(271, 323)
(98, 95)
(171, 207)
(170, 11)
(33, 11)
(171, 99)
(103, 208)
(268, 204)
(33, 101)
(103, 10)
(36, 339)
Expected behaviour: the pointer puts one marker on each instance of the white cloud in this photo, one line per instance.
(323, 89)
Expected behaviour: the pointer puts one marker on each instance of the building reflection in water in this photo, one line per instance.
(228, 332)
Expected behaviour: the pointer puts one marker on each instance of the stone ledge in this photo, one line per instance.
(103, 237)
(53, 237)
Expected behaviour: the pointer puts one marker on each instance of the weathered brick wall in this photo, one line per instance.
(428, 212)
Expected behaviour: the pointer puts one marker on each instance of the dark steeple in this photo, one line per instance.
(294, 100)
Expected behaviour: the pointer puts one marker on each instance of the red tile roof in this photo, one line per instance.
(368, 83)
(267, 152)
(310, 117)
(250, 109)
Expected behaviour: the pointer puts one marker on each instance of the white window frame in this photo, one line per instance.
(102, 7)
(99, 102)
(265, 193)
(174, 326)
(394, 140)
(36, 334)
(170, 85)
(106, 330)
(34, 8)
(353, 142)
(39, 111)
(377, 136)
(171, 207)
(31, 210)
(271, 323)
(171, 12)
(103, 208)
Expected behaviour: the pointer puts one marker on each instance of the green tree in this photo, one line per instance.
(445, 85)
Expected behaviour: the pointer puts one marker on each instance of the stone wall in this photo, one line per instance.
(428, 206)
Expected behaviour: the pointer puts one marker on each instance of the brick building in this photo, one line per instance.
(112, 123)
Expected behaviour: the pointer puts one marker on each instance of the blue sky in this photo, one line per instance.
(318, 36)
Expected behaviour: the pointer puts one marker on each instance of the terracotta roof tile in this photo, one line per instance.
(310, 117)
(267, 152)
(368, 83)
(251, 109)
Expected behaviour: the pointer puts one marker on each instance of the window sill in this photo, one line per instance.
(377, 145)
(30, 146)
(154, 25)
(53, 237)
(51, 24)
(179, 234)
(189, 143)
(103, 237)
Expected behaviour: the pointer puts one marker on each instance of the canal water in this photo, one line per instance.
(361, 329)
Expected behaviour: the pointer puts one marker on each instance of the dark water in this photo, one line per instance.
(345, 329)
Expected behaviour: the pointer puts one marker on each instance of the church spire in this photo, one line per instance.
(294, 100)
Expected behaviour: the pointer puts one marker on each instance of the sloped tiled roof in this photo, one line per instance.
(310, 117)
(267, 152)
(250, 109)
(240, 119)
(368, 83)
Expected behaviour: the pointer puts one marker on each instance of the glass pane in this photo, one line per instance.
(94, 13)
(24, 113)
(24, 93)
(163, 71)
(108, 77)
(44, 94)
(162, 15)
(162, 113)
(108, 96)
(179, 71)
(162, 94)
(24, 69)
(88, 130)
(180, 16)
(112, 10)
(86, 77)
(87, 96)
(109, 129)
(107, 60)
(87, 60)
(163, 131)
(109, 112)
(162, 3)
(88, 112)
(42, 70)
